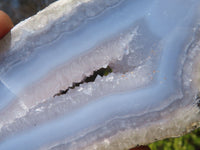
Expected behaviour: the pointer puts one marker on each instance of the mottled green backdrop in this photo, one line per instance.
(187, 142)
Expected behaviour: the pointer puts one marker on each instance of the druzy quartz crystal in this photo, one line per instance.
(152, 93)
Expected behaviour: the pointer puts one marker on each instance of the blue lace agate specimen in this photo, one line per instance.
(153, 92)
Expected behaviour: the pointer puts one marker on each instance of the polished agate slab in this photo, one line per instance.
(153, 92)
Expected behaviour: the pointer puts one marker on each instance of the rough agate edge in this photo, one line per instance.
(152, 94)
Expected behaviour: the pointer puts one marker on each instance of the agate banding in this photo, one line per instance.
(152, 93)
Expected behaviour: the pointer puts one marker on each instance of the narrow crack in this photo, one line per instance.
(102, 72)
(198, 100)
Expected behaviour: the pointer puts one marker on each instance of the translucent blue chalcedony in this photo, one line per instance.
(152, 47)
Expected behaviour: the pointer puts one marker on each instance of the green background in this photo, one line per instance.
(189, 141)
